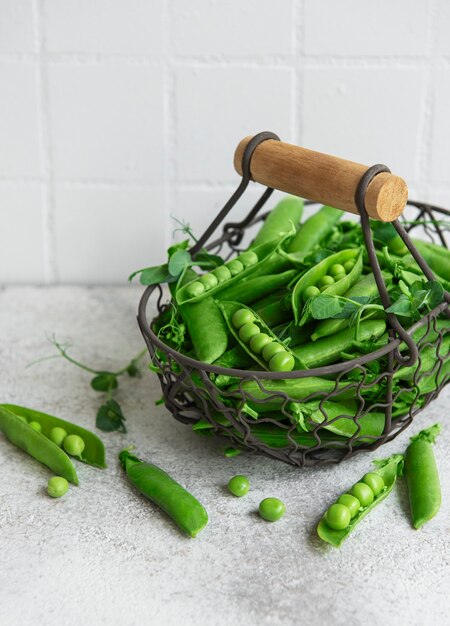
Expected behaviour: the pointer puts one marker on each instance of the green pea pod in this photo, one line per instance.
(388, 470)
(427, 362)
(328, 349)
(312, 276)
(235, 358)
(185, 510)
(338, 418)
(313, 230)
(229, 309)
(36, 445)
(422, 476)
(274, 313)
(277, 437)
(437, 257)
(206, 327)
(94, 450)
(253, 288)
(188, 276)
(365, 287)
(280, 220)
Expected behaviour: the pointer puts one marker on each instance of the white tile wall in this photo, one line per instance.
(115, 115)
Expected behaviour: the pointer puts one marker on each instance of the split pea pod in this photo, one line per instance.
(314, 229)
(280, 220)
(422, 477)
(342, 516)
(154, 483)
(319, 279)
(36, 445)
(93, 452)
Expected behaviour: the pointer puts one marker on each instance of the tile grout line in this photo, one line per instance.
(50, 272)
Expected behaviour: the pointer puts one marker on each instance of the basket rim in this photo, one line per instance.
(342, 366)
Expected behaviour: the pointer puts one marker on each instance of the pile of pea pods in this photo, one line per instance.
(255, 313)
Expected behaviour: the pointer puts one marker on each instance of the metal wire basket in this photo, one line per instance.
(192, 396)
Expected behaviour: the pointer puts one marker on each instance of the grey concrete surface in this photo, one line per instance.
(105, 555)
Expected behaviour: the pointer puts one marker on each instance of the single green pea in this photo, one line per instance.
(73, 445)
(272, 509)
(57, 486)
(363, 492)
(349, 265)
(222, 273)
(338, 516)
(375, 482)
(326, 280)
(209, 281)
(195, 289)
(257, 342)
(241, 317)
(57, 435)
(239, 485)
(310, 292)
(248, 258)
(271, 349)
(337, 269)
(247, 331)
(282, 362)
(352, 503)
(339, 277)
(35, 426)
(235, 267)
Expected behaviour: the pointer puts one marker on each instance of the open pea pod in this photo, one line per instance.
(312, 278)
(36, 445)
(94, 450)
(388, 470)
(263, 346)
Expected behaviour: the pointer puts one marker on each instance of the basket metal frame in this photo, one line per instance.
(188, 403)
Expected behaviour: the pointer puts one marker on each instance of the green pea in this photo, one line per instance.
(57, 435)
(338, 517)
(247, 331)
(310, 292)
(339, 277)
(195, 289)
(239, 485)
(326, 280)
(248, 258)
(241, 317)
(57, 486)
(235, 267)
(271, 349)
(363, 492)
(209, 281)
(272, 509)
(336, 269)
(35, 426)
(282, 362)
(349, 265)
(73, 445)
(257, 342)
(352, 503)
(222, 273)
(375, 482)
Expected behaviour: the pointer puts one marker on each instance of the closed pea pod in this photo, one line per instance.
(280, 220)
(422, 477)
(313, 230)
(336, 532)
(154, 483)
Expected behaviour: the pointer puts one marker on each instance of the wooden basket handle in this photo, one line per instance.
(323, 178)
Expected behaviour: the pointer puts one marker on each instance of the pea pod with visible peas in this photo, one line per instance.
(258, 341)
(154, 483)
(342, 516)
(318, 278)
(422, 477)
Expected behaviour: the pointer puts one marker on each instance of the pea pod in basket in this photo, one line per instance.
(256, 338)
(334, 275)
(350, 508)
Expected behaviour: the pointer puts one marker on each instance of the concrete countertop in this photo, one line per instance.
(105, 555)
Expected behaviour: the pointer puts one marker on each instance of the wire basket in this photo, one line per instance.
(192, 396)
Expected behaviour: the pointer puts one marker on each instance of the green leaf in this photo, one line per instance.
(104, 382)
(178, 261)
(325, 306)
(436, 293)
(153, 275)
(133, 371)
(182, 245)
(383, 231)
(208, 260)
(110, 417)
(401, 307)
